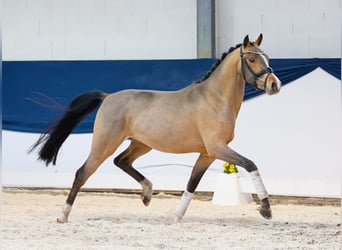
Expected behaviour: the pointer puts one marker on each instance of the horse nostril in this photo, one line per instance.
(274, 86)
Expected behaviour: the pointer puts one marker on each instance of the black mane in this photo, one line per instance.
(217, 63)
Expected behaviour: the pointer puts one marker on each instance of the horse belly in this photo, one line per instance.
(179, 136)
(173, 144)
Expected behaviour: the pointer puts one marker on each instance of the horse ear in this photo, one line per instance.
(246, 41)
(258, 40)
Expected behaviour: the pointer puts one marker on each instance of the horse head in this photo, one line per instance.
(255, 67)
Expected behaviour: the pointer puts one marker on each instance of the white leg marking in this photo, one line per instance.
(65, 214)
(259, 185)
(183, 205)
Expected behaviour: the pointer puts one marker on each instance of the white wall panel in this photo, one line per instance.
(329, 5)
(98, 29)
(292, 29)
(169, 25)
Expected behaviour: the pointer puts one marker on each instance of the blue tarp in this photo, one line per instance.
(34, 92)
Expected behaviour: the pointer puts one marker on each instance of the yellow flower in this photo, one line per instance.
(229, 168)
(232, 168)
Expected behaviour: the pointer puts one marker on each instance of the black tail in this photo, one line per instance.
(57, 133)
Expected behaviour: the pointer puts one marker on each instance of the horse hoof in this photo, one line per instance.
(177, 219)
(146, 200)
(61, 221)
(266, 213)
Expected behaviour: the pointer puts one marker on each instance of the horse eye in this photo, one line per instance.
(252, 60)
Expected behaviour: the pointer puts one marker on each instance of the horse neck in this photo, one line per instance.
(226, 84)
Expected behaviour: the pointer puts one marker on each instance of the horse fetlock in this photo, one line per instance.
(146, 195)
(265, 204)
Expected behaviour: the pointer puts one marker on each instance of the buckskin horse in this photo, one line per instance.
(198, 118)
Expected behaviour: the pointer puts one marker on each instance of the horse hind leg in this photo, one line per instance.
(77, 184)
(125, 160)
(99, 153)
(81, 176)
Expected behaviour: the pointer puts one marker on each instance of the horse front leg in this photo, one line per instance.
(201, 165)
(227, 154)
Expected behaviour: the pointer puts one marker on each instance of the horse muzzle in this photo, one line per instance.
(272, 84)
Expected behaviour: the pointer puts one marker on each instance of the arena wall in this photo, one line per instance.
(98, 29)
(152, 29)
(292, 29)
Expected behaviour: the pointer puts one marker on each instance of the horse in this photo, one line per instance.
(198, 118)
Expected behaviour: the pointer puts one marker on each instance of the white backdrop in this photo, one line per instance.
(294, 137)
